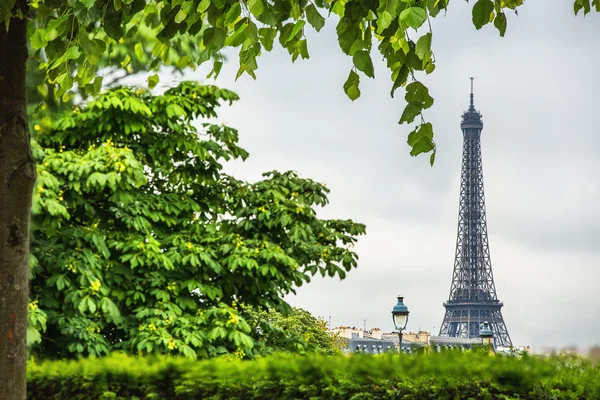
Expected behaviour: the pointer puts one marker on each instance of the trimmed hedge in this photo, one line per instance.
(447, 375)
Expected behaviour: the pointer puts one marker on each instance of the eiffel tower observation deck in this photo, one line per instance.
(473, 299)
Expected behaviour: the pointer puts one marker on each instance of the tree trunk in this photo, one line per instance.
(17, 176)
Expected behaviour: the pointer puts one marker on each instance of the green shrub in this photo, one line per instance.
(449, 375)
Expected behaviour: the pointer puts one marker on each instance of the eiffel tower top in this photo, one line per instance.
(471, 118)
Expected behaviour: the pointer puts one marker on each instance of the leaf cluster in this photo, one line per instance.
(141, 243)
(586, 6)
(75, 39)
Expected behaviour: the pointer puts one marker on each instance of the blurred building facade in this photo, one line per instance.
(376, 341)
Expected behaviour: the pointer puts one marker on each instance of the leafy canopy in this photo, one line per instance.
(73, 39)
(141, 243)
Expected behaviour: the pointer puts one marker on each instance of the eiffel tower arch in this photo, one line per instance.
(473, 299)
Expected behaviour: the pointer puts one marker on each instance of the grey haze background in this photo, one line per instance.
(538, 89)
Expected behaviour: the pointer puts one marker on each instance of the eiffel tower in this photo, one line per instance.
(473, 298)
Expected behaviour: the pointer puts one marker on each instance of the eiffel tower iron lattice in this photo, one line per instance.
(473, 299)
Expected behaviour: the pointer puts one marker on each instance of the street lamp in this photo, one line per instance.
(400, 318)
(486, 334)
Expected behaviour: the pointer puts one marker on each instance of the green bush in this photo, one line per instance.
(449, 375)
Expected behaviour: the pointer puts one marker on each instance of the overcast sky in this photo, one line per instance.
(538, 90)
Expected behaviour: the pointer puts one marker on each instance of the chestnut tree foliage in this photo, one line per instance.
(142, 243)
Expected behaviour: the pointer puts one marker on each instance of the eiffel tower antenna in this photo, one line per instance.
(473, 298)
(472, 104)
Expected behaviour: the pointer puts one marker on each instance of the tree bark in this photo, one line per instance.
(17, 176)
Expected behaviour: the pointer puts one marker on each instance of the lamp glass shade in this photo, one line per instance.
(400, 321)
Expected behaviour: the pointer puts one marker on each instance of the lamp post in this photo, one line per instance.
(486, 335)
(400, 318)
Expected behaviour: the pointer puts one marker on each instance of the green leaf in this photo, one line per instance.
(217, 332)
(295, 12)
(413, 17)
(338, 7)
(153, 81)
(113, 28)
(38, 39)
(216, 70)
(33, 336)
(86, 44)
(82, 305)
(500, 23)
(351, 86)
(97, 85)
(418, 94)
(43, 89)
(248, 62)
(314, 18)
(167, 32)
(411, 111)
(384, 21)
(188, 352)
(256, 7)
(214, 38)
(175, 110)
(421, 139)
(126, 61)
(432, 7)
(481, 12)
(362, 61)
(404, 45)
(297, 28)
(423, 48)
(181, 16)
(108, 307)
(71, 54)
(266, 37)
(195, 28)
(138, 49)
(91, 305)
(238, 37)
(57, 27)
(60, 282)
(302, 48)
(401, 78)
(515, 3)
(203, 6)
(65, 82)
(348, 34)
(50, 35)
(233, 13)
